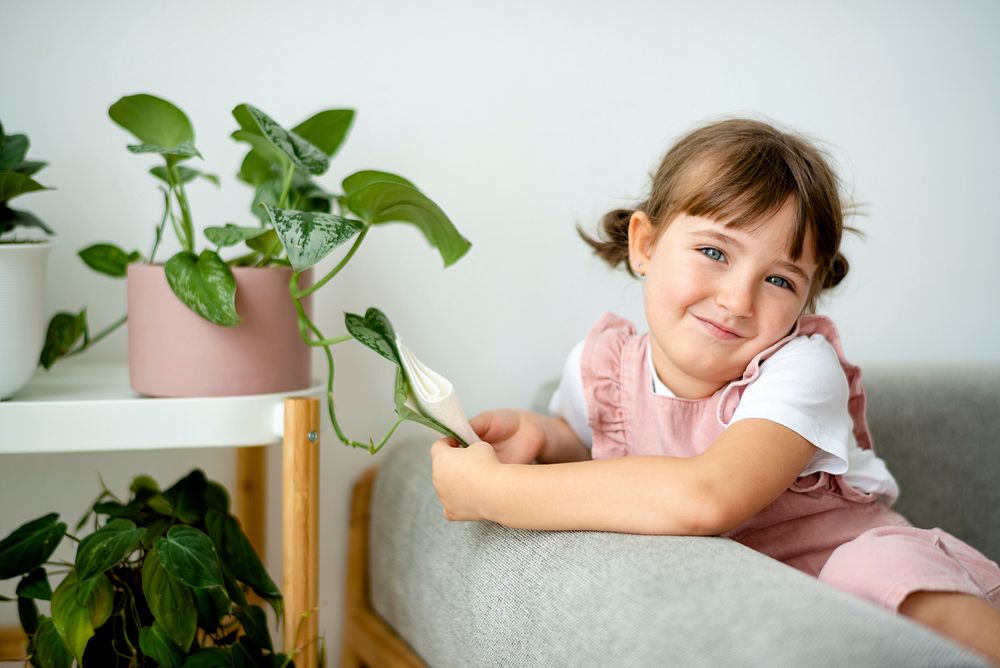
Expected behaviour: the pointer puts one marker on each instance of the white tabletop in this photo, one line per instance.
(91, 407)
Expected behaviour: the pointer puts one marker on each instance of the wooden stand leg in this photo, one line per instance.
(300, 509)
(251, 495)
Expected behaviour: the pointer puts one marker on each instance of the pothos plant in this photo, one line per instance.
(299, 222)
(164, 577)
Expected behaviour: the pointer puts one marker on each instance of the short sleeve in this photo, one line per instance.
(802, 386)
(568, 401)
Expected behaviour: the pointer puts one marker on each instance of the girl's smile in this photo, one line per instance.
(717, 296)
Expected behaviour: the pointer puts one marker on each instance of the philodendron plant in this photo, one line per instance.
(299, 222)
(164, 577)
(15, 180)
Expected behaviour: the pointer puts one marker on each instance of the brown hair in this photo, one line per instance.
(739, 171)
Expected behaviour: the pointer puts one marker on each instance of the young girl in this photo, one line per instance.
(736, 414)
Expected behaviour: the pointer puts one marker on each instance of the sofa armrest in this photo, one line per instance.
(478, 593)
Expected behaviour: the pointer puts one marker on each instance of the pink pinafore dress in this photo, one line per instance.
(820, 525)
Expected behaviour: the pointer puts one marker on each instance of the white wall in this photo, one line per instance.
(521, 119)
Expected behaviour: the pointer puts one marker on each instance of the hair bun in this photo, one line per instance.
(837, 271)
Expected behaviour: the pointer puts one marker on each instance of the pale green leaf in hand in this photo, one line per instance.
(206, 284)
(230, 235)
(170, 600)
(152, 120)
(75, 619)
(109, 259)
(189, 555)
(308, 237)
(304, 155)
(30, 545)
(388, 201)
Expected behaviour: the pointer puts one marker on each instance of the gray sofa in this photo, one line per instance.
(481, 594)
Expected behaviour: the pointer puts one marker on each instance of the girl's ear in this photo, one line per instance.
(640, 241)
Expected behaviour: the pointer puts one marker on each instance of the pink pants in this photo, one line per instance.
(826, 528)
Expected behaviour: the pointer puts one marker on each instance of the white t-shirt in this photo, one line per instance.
(801, 386)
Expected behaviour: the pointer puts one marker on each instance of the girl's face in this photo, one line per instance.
(716, 296)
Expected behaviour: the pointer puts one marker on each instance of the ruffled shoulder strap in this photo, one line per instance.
(857, 401)
(601, 367)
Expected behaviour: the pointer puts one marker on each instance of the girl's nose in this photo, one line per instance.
(735, 294)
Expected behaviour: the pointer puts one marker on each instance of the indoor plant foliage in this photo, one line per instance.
(164, 578)
(15, 180)
(299, 222)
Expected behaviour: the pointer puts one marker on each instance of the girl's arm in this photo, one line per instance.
(747, 467)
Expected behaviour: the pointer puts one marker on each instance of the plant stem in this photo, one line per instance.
(286, 186)
(163, 223)
(323, 281)
(188, 241)
(87, 343)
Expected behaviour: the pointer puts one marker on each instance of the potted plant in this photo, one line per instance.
(299, 224)
(23, 263)
(164, 577)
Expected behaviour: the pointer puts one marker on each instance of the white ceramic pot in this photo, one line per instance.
(23, 270)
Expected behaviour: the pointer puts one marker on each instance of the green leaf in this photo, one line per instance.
(254, 622)
(189, 555)
(11, 218)
(267, 244)
(155, 644)
(186, 174)
(309, 237)
(238, 554)
(210, 657)
(76, 620)
(143, 484)
(49, 647)
(212, 604)
(230, 235)
(35, 585)
(187, 497)
(64, 331)
(387, 201)
(327, 129)
(205, 284)
(30, 167)
(170, 600)
(216, 497)
(183, 150)
(303, 155)
(109, 259)
(13, 148)
(408, 409)
(13, 184)
(375, 331)
(152, 120)
(30, 545)
(27, 614)
(263, 156)
(365, 178)
(106, 547)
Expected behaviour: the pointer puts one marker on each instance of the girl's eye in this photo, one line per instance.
(780, 282)
(713, 253)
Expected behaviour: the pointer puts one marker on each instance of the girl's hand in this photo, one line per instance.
(517, 436)
(463, 478)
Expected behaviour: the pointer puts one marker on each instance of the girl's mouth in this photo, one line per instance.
(716, 330)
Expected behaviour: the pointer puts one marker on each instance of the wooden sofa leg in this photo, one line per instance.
(367, 640)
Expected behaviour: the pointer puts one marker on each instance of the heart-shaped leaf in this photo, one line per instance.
(254, 622)
(106, 547)
(76, 616)
(303, 155)
(13, 184)
(327, 129)
(170, 600)
(187, 497)
(64, 331)
(392, 201)
(109, 259)
(230, 235)
(35, 585)
(211, 657)
(157, 645)
(205, 284)
(308, 237)
(375, 331)
(241, 558)
(189, 555)
(49, 647)
(359, 180)
(152, 120)
(30, 545)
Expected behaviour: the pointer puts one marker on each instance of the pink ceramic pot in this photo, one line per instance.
(174, 352)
